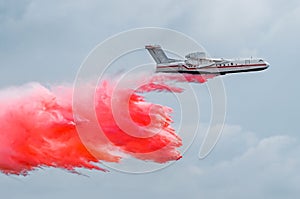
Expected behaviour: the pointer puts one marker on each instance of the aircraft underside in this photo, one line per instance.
(214, 71)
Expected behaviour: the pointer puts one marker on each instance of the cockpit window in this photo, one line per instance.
(260, 60)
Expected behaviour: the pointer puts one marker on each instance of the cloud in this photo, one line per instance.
(265, 168)
(238, 26)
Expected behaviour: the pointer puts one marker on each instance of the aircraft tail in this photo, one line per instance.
(158, 54)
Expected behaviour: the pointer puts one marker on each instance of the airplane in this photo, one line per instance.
(198, 63)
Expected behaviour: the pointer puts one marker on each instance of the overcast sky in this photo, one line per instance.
(258, 153)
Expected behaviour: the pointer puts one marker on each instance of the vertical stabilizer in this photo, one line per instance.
(158, 54)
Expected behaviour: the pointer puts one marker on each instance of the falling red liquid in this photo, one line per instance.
(38, 129)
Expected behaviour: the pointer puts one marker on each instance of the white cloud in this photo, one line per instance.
(266, 168)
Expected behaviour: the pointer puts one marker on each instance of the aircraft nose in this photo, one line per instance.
(267, 64)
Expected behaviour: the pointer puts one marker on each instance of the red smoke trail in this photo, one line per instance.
(37, 128)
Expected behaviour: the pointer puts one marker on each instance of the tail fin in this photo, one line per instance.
(158, 54)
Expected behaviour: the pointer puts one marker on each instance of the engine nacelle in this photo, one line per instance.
(196, 56)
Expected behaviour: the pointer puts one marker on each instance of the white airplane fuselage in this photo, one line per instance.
(198, 63)
(214, 66)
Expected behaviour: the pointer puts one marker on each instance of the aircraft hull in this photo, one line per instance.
(212, 69)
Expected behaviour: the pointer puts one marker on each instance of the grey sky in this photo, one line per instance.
(258, 153)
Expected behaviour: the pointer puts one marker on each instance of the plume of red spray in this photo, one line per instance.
(37, 128)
